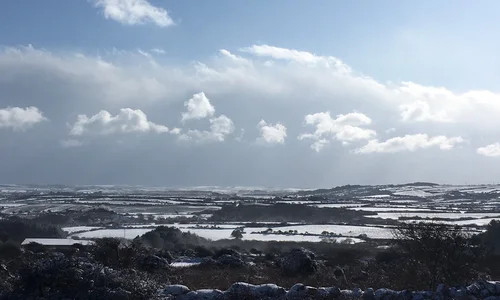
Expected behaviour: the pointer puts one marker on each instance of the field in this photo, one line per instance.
(137, 210)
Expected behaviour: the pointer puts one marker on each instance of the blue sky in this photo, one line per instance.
(276, 88)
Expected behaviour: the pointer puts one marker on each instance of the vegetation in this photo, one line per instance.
(237, 233)
(421, 256)
(17, 229)
(283, 212)
(436, 253)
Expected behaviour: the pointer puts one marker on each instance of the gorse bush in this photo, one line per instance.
(437, 252)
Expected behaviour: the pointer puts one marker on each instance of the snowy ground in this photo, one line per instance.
(481, 203)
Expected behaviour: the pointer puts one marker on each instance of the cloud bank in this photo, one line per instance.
(324, 115)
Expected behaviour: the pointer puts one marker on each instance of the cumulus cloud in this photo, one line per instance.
(283, 74)
(271, 133)
(261, 82)
(126, 121)
(345, 128)
(492, 150)
(133, 12)
(198, 107)
(420, 111)
(410, 143)
(20, 119)
(220, 128)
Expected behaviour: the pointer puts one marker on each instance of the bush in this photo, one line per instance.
(58, 277)
(203, 251)
(9, 250)
(18, 229)
(237, 234)
(35, 247)
(170, 238)
(439, 252)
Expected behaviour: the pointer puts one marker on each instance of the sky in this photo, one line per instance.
(303, 94)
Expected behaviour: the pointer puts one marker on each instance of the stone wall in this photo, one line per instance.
(489, 290)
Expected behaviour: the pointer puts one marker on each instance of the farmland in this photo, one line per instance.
(347, 214)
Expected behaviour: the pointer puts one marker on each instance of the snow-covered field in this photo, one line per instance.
(481, 203)
(223, 231)
(345, 230)
(451, 215)
(71, 230)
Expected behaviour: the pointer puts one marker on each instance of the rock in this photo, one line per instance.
(322, 293)
(299, 291)
(209, 294)
(461, 293)
(231, 261)
(382, 294)
(369, 294)
(299, 262)
(489, 288)
(405, 294)
(357, 292)
(268, 291)
(240, 290)
(331, 292)
(193, 295)
(175, 290)
(206, 294)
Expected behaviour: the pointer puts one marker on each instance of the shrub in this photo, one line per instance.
(9, 250)
(237, 234)
(439, 252)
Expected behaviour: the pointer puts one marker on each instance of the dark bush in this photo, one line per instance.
(226, 251)
(202, 251)
(35, 247)
(436, 251)
(58, 277)
(170, 238)
(9, 250)
(18, 229)
(387, 256)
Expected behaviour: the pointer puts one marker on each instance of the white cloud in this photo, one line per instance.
(71, 143)
(410, 143)
(198, 107)
(175, 131)
(344, 128)
(492, 150)
(158, 51)
(220, 128)
(420, 111)
(133, 12)
(297, 56)
(271, 134)
(318, 145)
(286, 78)
(281, 74)
(20, 119)
(126, 121)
